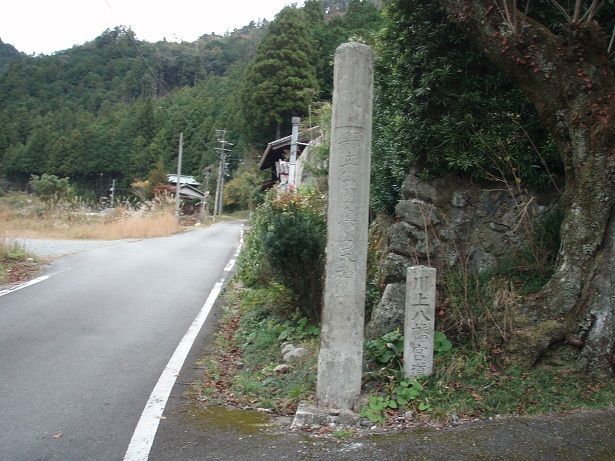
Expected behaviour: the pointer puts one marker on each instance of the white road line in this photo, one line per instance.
(24, 285)
(143, 436)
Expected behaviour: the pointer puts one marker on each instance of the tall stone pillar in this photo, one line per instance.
(341, 343)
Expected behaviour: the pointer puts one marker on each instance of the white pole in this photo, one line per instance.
(179, 172)
(294, 138)
(112, 192)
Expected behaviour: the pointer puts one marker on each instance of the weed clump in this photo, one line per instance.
(16, 264)
(241, 371)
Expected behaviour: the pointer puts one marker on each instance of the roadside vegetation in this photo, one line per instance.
(484, 132)
(272, 309)
(16, 264)
(471, 378)
(82, 223)
(54, 210)
(240, 369)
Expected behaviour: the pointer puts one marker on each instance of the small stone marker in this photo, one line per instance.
(341, 344)
(419, 321)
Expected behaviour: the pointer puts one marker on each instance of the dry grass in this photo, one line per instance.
(157, 225)
(20, 217)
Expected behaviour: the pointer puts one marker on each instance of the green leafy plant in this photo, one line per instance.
(406, 391)
(402, 394)
(441, 343)
(387, 350)
(342, 434)
(299, 331)
(376, 407)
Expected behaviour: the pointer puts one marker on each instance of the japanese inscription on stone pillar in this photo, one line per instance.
(341, 346)
(419, 321)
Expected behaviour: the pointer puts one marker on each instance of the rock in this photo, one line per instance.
(309, 416)
(399, 239)
(411, 241)
(264, 410)
(360, 403)
(480, 260)
(394, 268)
(389, 313)
(281, 369)
(295, 354)
(364, 422)
(413, 187)
(471, 223)
(347, 418)
(409, 415)
(417, 212)
(498, 227)
(460, 199)
(287, 348)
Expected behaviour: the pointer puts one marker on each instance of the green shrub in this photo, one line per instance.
(51, 189)
(286, 245)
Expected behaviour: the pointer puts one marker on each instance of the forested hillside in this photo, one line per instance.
(112, 108)
(8, 54)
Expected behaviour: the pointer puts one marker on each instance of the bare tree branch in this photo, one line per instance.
(577, 11)
(593, 9)
(562, 9)
(515, 18)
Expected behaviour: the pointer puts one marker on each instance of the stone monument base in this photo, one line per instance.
(309, 415)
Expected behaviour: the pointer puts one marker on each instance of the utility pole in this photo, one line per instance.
(294, 138)
(219, 200)
(179, 173)
(206, 173)
(112, 192)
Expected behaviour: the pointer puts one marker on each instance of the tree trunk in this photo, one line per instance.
(570, 81)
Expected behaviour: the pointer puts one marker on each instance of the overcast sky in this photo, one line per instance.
(45, 26)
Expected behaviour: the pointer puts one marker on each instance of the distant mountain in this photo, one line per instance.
(8, 54)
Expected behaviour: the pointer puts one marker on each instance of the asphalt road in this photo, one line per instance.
(81, 351)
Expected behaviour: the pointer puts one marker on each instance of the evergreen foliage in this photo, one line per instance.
(113, 107)
(441, 105)
(8, 54)
(281, 80)
(286, 244)
(361, 20)
(51, 189)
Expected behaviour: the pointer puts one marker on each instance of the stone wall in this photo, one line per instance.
(449, 222)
